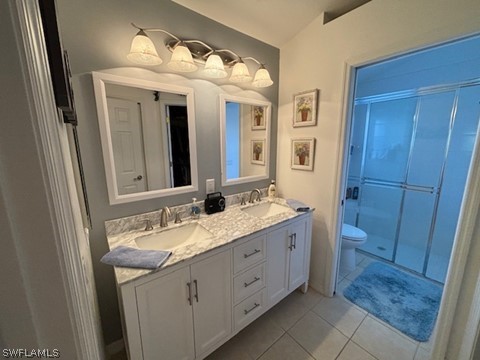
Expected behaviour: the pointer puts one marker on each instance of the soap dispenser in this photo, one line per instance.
(272, 190)
(195, 210)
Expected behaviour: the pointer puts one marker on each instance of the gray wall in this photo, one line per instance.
(97, 35)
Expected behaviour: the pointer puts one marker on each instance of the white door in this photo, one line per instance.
(165, 317)
(212, 303)
(127, 143)
(298, 255)
(277, 265)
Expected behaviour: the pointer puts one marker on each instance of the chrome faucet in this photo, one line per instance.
(252, 193)
(164, 215)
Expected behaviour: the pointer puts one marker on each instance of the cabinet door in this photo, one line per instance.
(277, 265)
(165, 317)
(212, 303)
(298, 255)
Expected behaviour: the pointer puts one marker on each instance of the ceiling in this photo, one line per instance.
(271, 21)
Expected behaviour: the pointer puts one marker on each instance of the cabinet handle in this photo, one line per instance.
(189, 293)
(291, 242)
(253, 308)
(294, 240)
(196, 290)
(252, 253)
(255, 279)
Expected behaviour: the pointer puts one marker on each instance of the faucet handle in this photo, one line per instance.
(148, 225)
(244, 201)
(178, 218)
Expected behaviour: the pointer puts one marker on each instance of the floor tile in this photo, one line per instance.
(342, 272)
(318, 337)
(382, 342)
(257, 337)
(354, 352)
(340, 313)
(353, 275)
(288, 311)
(367, 261)
(422, 354)
(286, 349)
(359, 257)
(231, 350)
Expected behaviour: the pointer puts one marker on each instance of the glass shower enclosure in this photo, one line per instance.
(409, 159)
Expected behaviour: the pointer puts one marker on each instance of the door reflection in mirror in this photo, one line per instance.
(149, 132)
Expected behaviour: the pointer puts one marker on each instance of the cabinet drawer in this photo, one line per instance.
(248, 283)
(249, 309)
(248, 253)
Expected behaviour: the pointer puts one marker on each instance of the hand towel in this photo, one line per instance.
(297, 205)
(136, 258)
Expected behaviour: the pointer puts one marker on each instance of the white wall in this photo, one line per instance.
(317, 58)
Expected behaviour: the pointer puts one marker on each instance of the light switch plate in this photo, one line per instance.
(210, 184)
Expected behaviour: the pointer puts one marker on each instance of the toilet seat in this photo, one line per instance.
(353, 233)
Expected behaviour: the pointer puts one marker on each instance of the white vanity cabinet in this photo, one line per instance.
(186, 311)
(183, 314)
(288, 259)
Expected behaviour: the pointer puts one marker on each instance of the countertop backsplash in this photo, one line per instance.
(137, 222)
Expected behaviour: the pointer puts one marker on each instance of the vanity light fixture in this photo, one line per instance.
(186, 54)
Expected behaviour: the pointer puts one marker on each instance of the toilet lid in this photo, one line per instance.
(353, 233)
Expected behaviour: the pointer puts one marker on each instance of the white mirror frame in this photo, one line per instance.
(224, 98)
(99, 81)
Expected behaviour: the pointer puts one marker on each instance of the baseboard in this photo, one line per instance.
(114, 347)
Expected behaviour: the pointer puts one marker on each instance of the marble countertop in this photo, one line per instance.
(226, 227)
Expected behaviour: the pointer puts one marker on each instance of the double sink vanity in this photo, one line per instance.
(225, 270)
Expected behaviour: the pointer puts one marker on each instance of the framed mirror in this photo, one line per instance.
(148, 137)
(245, 139)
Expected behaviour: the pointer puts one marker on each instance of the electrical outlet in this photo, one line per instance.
(210, 184)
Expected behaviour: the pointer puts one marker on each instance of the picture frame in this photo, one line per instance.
(303, 153)
(257, 151)
(305, 108)
(259, 121)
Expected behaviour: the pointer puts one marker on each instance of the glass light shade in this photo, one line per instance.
(240, 73)
(214, 67)
(143, 51)
(182, 59)
(262, 78)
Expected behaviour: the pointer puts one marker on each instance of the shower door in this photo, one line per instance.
(415, 161)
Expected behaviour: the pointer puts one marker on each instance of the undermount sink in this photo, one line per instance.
(172, 238)
(265, 210)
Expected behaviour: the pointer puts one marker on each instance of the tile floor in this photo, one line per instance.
(311, 326)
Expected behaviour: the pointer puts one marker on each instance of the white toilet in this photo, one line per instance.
(352, 237)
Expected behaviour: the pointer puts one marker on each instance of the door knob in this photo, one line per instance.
(139, 177)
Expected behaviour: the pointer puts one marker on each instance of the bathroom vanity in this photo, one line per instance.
(210, 289)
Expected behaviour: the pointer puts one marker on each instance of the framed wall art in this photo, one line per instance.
(303, 151)
(258, 152)
(305, 108)
(258, 118)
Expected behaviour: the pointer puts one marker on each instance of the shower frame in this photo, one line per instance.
(415, 93)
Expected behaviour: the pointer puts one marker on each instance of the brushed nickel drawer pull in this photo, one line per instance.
(252, 253)
(253, 308)
(255, 279)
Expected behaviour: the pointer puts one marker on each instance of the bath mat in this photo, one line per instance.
(406, 302)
